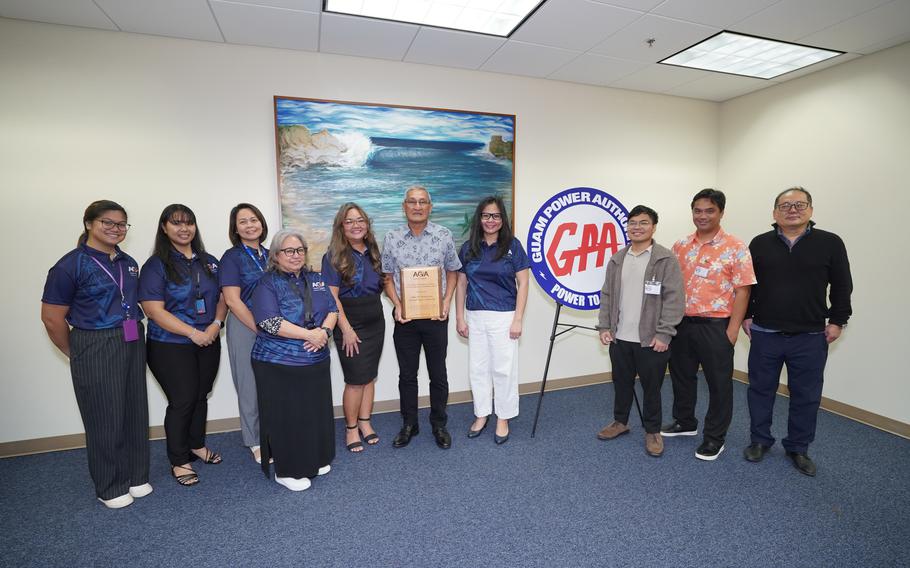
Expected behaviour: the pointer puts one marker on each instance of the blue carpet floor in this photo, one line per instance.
(560, 499)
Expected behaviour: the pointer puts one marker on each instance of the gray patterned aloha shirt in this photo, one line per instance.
(434, 247)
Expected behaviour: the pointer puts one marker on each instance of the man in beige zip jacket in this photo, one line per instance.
(641, 303)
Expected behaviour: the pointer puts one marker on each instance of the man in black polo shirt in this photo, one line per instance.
(795, 264)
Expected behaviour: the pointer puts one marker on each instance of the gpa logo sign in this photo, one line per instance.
(572, 237)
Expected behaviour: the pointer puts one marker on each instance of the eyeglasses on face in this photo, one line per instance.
(642, 224)
(352, 222)
(798, 205)
(109, 224)
(299, 251)
(491, 216)
(248, 221)
(415, 202)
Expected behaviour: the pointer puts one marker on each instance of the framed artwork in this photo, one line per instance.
(332, 152)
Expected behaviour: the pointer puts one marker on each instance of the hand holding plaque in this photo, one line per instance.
(421, 292)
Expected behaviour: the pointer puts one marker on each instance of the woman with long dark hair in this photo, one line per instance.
(91, 313)
(352, 269)
(180, 293)
(490, 302)
(241, 267)
(295, 314)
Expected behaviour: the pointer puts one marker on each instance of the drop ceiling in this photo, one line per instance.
(604, 43)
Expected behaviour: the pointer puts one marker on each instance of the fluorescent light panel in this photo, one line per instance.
(491, 17)
(739, 54)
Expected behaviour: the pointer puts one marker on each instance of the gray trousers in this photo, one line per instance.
(240, 341)
(110, 386)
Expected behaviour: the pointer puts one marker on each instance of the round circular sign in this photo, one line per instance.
(571, 239)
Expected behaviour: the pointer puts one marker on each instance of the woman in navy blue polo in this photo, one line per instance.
(180, 293)
(241, 267)
(493, 288)
(295, 313)
(93, 289)
(351, 267)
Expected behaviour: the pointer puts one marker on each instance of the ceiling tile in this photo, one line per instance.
(719, 13)
(885, 44)
(640, 5)
(718, 87)
(305, 5)
(269, 27)
(790, 20)
(366, 37)
(867, 29)
(82, 13)
(451, 48)
(573, 24)
(520, 58)
(596, 69)
(190, 19)
(671, 36)
(657, 78)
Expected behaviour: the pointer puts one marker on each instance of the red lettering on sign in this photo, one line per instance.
(593, 240)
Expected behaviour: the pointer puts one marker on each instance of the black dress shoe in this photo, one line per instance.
(475, 433)
(403, 438)
(500, 440)
(443, 438)
(803, 463)
(755, 452)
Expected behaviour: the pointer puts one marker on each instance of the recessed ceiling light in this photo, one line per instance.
(490, 17)
(739, 54)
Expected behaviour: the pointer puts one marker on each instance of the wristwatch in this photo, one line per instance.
(219, 322)
(327, 331)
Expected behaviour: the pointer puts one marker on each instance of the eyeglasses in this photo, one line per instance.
(642, 224)
(416, 202)
(787, 206)
(491, 216)
(352, 222)
(249, 221)
(182, 223)
(109, 224)
(299, 251)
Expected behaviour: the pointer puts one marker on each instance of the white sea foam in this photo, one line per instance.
(357, 152)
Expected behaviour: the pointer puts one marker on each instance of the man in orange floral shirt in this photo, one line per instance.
(717, 271)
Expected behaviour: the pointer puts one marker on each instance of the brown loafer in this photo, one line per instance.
(654, 444)
(613, 430)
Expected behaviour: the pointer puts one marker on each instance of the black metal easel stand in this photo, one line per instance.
(543, 385)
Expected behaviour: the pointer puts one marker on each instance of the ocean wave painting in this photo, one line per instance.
(333, 152)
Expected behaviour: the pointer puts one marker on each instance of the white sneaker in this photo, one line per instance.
(117, 502)
(293, 483)
(140, 490)
(324, 470)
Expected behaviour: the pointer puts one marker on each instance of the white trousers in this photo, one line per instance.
(493, 363)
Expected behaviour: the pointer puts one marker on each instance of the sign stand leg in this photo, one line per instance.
(546, 369)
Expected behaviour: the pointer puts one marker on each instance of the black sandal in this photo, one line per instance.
(187, 479)
(371, 439)
(352, 447)
(211, 457)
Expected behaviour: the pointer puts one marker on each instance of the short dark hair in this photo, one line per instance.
(714, 196)
(232, 223)
(643, 210)
(794, 188)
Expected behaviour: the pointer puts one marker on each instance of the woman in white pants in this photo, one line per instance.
(490, 302)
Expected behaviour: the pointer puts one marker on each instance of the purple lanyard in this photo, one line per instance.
(250, 253)
(119, 285)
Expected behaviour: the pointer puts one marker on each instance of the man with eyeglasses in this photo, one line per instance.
(420, 243)
(799, 269)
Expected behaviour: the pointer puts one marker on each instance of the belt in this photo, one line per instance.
(703, 320)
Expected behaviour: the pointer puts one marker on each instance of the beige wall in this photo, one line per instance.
(843, 134)
(147, 121)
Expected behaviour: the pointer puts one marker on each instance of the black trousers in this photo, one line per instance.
(186, 373)
(703, 341)
(433, 336)
(109, 382)
(629, 359)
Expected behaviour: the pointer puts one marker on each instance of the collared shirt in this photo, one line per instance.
(790, 244)
(180, 298)
(433, 247)
(491, 282)
(93, 297)
(366, 281)
(631, 294)
(243, 267)
(281, 295)
(712, 271)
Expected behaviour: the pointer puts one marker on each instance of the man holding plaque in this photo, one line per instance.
(420, 263)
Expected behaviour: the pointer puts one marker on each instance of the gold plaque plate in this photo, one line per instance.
(421, 292)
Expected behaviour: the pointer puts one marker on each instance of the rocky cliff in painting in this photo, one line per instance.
(500, 148)
(301, 149)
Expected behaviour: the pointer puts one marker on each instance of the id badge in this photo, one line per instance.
(701, 271)
(200, 306)
(652, 287)
(130, 330)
